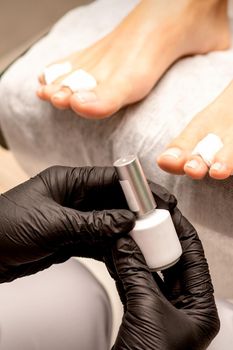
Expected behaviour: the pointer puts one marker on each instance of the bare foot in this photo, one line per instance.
(217, 118)
(130, 60)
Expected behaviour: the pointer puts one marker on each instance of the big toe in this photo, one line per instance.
(173, 159)
(105, 100)
(178, 158)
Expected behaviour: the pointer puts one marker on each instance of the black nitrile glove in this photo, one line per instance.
(176, 313)
(60, 213)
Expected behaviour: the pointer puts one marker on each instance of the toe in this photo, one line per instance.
(196, 168)
(100, 103)
(91, 105)
(61, 98)
(179, 152)
(45, 92)
(173, 160)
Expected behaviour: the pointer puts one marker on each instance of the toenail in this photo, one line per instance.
(86, 96)
(172, 152)
(60, 95)
(194, 164)
(218, 166)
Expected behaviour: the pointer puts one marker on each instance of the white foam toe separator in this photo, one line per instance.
(56, 70)
(208, 147)
(80, 80)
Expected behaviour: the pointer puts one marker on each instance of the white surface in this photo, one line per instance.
(100, 271)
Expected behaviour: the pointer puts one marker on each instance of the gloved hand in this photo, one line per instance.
(176, 313)
(60, 213)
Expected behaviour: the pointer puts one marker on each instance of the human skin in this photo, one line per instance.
(129, 61)
(216, 118)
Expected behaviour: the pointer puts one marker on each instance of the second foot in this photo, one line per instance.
(129, 61)
(216, 119)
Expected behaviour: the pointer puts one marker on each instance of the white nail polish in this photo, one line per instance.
(86, 96)
(154, 231)
(192, 164)
(172, 152)
(218, 166)
(60, 95)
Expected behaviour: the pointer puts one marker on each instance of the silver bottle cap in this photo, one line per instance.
(135, 186)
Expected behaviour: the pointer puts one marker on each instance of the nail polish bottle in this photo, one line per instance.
(154, 231)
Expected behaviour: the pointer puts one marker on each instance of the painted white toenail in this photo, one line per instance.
(172, 152)
(218, 166)
(192, 164)
(60, 95)
(86, 96)
(55, 71)
(221, 167)
(80, 80)
(208, 147)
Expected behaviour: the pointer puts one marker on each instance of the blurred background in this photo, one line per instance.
(22, 21)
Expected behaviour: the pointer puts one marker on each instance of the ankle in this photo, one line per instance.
(208, 24)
